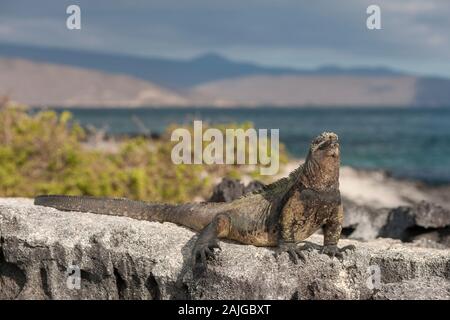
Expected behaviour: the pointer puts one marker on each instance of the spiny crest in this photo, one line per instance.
(282, 184)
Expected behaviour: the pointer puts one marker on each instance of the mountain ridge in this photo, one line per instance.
(206, 80)
(179, 74)
(42, 84)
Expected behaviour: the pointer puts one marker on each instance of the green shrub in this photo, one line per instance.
(45, 153)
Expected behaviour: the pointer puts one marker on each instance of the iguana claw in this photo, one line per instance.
(201, 252)
(332, 250)
(293, 250)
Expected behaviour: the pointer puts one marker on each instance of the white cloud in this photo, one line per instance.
(410, 7)
(6, 30)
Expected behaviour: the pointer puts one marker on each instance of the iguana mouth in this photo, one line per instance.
(335, 149)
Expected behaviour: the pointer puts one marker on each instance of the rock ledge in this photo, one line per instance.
(121, 258)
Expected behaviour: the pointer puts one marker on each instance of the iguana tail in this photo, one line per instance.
(192, 215)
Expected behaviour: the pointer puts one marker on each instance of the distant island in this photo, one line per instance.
(69, 78)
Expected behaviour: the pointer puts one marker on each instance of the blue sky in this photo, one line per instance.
(415, 34)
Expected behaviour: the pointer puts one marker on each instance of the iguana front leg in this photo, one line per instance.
(332, 232)
(286, 242)
(207, 241)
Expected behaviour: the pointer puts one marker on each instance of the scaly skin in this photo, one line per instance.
(283, 214)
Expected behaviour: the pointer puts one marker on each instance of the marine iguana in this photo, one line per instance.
(282, 214)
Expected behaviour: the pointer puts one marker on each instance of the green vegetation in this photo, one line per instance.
(45, 153)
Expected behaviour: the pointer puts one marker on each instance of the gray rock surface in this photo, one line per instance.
(363, 222)
(121, 258)
(230, 189)
(422, 221)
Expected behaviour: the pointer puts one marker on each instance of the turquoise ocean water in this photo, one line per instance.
(409, 143)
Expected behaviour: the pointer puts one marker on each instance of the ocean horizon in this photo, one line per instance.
(410, 143)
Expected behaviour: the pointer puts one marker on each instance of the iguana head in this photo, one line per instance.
(325, 147)
(322, 163)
